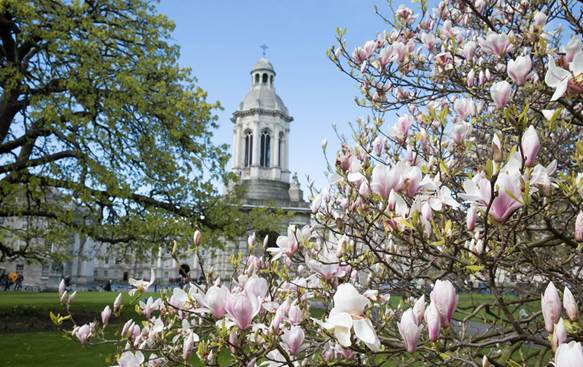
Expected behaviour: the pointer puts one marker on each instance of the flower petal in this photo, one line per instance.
(364, 331)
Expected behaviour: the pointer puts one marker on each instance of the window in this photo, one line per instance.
(105, 273)
(19, 268)
(45, 271)
(265, 149)
(264, 78)
(256, 78)
(279, 149)
(248, 148)
(271, 80)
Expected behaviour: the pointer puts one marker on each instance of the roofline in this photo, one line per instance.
(260, 111)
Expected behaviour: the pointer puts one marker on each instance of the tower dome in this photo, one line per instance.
(262, 95)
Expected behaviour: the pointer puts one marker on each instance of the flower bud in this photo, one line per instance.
(117, 302)
(579, 227)
(445, 298)
(471, 218)
(196, 237)
(419, 309)
(105, 315)
(187, 346)
(62, 287)
(530, 145)
(540, 19)
(501, 93)
(294, 339)
(551, 307)
(432, 319)
(570, 305)
(485, 362)
(496, 148)
(409, 330)
(559, 334)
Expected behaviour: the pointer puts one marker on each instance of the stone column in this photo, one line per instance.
(274, 147)
(286, 151)
(236, 146)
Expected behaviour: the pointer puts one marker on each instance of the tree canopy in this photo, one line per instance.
(101, 131)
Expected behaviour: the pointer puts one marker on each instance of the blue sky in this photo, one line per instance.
(220, 41)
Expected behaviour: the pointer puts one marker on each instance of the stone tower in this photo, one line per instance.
(261, 160)
(260, 140)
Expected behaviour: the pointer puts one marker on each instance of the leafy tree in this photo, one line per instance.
(101, 131)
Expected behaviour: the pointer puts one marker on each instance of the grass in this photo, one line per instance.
(50, 349)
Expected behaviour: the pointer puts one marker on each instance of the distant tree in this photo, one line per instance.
(101, 131)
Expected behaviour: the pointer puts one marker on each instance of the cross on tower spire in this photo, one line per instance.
(264, 48)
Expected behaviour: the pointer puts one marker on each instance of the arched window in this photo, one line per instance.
(264, 78)
(265, 157)
(271, 80)
(279, 149)
(257, 78)
(248, 148)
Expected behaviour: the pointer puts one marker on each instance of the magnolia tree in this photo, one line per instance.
(450, 232)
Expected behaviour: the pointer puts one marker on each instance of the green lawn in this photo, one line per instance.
(49, 349)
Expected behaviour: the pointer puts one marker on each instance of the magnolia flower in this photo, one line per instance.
(117, 302)
(530, 145)
(569, 355)
(82, 333)
(560, 79)
(501, 93)
(347, 314)
(570, 305)
(540, 19)
(469, 50)
(188, 345)
(105, 315)
(428, 40)
(62, 287)
(378, 145)
(445, 299)
(519, 69)
(496, 44)
(459, 132)
(196, 237)
(215, 300)
(286, 245)
(294, 338)
(509, 194)
(433, 321)
(142, 286)
(385, 178)
(256, 286)
(401, 128)
(471, 217)
(551, 306)
(295, 314)
(464, 107)
(559, 334)
(149, 306)
(419, 309)
(579, 227)
(409, 330)
(130, 359)
(242, 308)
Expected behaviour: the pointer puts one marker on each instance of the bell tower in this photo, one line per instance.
(260, 138)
